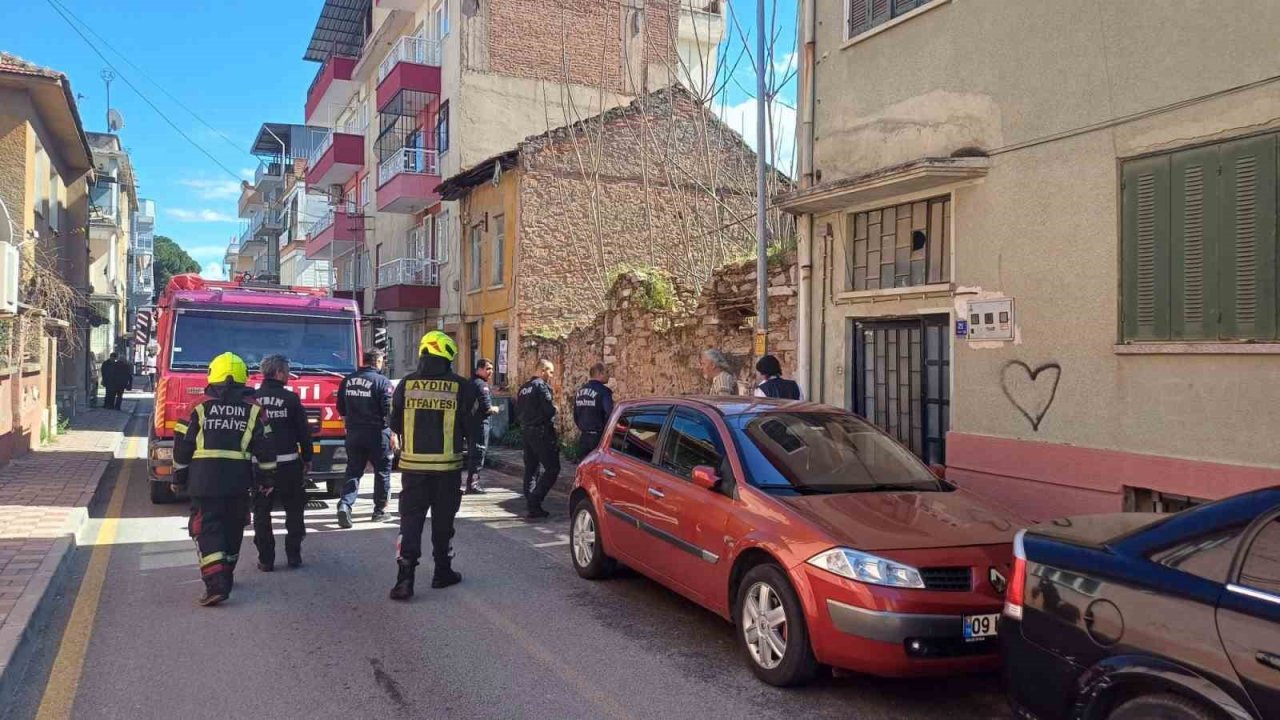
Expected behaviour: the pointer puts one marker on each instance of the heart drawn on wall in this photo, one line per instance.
(1031, 391)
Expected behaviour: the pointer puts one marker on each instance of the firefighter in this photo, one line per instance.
(213, 454)
(433, 410)
(284, 414)
(592, 407)
(536, 408)
(364, 402)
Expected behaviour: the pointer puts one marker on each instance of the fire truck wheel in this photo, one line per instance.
(161, 493)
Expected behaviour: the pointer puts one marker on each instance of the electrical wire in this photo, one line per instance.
(142, 95)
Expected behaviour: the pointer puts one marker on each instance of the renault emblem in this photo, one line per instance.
(998, 581)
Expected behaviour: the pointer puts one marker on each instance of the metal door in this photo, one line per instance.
(902, 381)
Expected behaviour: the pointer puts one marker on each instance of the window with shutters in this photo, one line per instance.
(865, 15)
(900, 246)
(1199, 246)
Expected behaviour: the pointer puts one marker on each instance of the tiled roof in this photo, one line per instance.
(14, 64)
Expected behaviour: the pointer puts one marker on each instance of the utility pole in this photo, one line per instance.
(762, 200)
(107, 77)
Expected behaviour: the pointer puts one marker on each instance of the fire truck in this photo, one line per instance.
(198, 319)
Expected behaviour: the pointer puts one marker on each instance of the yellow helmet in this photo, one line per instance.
(439, 344)
(228, 366)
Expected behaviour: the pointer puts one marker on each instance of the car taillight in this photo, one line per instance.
(1017, 590)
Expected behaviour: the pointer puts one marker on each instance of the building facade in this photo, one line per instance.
(113, 204)
(1044, 251)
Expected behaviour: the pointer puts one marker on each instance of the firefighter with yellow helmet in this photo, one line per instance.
(434, 411)
(213, 457)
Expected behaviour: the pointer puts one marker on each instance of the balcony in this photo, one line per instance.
(407, 5)
(339, 230)
(351, 283)
(332, 86)
(339, 156)
(407, 181)
(250, 199)
(268, 222)
(412, 64)
(268, 173)
(408, 284)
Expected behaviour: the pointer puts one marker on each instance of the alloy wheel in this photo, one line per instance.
(764, 625)
(584, 537)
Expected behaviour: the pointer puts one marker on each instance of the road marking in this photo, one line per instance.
(564, 540)
(64, 679)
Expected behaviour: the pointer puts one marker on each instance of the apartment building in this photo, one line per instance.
(1043, 251)
(142, 248)
(113, 203)
(413, 91)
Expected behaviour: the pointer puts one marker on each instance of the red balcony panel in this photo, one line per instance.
(408, 193)
(334, 77)
(357, 294)
(341, 160)
(407, 297)
(408, 76)
(343, 234)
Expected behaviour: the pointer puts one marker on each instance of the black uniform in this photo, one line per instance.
(213, 456)
(478, 446)
(291, 437)
(592, 407)
(777, 387)
(536, 409)
(364, 402)
(116, 376)
(432, 410)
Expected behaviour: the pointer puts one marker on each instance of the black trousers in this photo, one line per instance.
(541, 464)
(114, 396)
(476, 452)
(438, 493)
(368, 446)
(290, 493)
(588, 440)
(217, 526)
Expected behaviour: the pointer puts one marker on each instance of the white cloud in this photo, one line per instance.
(212, 189)
(213, 271)
(742, 117)
(784, 65)
(201, 216)
(247, 173)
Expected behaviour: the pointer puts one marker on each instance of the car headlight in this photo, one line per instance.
(162, 453)
(866, 568)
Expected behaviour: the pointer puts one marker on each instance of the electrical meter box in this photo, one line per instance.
(9, 277)
(991, 319)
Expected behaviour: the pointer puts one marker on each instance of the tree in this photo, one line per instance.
(170, 260)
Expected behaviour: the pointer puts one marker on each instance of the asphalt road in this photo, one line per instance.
(521, 637)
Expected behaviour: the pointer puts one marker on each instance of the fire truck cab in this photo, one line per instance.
(198, 319)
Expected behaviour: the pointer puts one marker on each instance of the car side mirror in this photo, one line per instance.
(705, 477)
(939, 471)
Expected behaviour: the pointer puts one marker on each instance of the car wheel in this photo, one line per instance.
(772, 629)
(1160, 707)
(585, 545)
(162, 494)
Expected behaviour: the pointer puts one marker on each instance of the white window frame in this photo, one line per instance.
(475, 269)
(440, 20)
(363, 189)
(882, 27)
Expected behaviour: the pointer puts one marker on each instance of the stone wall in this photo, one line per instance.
(656, 351)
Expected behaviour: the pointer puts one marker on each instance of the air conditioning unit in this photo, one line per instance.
(10, 272)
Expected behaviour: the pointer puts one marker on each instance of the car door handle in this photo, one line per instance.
(608, 473)
(1271, 660)
(657, 493)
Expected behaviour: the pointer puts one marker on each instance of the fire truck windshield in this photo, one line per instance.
(313, 343)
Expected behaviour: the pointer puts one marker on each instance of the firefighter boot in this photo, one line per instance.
(217, 587)
(404, 580)
(445, 575)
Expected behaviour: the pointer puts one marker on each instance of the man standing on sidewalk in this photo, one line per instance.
(485, 409)
(364, 402)
(114, 373)
(287, 419)
(592, 407)
(536, 408)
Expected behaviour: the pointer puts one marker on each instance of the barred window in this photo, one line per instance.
(900, 246)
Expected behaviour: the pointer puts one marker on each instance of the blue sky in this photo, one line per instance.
(236, 64)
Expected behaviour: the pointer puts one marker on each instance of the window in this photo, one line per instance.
(901, 246)
(1199, 249)
(1261, 569)
(473, 344)
(101, 196)
(499, 247)
(500, 378)
(636, 434)
(473, 276)
(365, 196)
(1206, 556)
(439, 250)
(441, 16)
(442, 128)
(691, 441)
(867, 14)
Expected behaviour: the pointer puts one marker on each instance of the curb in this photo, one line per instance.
(516, 469)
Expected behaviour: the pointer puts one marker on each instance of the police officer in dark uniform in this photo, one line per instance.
(433, 410)
(364, 402)
(213, 454)
(484, 410)
(291, 434)
(536, 409)
(592, 407)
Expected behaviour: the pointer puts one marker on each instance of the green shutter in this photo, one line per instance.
(1196, 199)
(1247, 248)
(1145, 240)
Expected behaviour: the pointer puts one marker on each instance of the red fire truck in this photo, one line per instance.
(198, 319)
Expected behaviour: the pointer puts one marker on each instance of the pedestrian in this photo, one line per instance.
(772, 384)
(149, 369)
(364, 402)
(213, 455)
(433, 409)
(116, 375)
(291, 434)
(478, 446)
(536, 408)
(716, 369)
(592, 407)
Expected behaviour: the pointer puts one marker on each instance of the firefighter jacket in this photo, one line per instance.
(214, 451)
(535, 405)
(592, 406)
(284, 414)
(434, 410)
(364, 400)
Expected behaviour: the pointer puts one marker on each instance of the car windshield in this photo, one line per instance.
(313, 343)
(826, 452)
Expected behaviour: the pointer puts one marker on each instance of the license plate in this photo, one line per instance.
(977, 627)
(340, 454)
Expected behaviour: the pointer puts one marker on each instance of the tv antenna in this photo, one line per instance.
(107, 76)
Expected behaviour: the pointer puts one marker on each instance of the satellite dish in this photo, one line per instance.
(115, 120)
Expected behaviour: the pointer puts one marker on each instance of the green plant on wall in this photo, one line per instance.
(656, 290)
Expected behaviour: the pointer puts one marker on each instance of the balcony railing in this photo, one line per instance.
(409, 271)
(413, 161)
(265, 170)
(350, 281)
(325, 221)
(356, 124)
(410, 49)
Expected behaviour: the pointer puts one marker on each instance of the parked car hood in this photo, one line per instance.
(907, 520)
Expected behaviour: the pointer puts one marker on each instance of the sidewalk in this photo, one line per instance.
(44, 502)
(510, 461)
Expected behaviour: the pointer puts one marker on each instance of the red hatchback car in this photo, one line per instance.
(824, 541)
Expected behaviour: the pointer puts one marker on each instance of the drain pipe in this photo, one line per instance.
(804, 304)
